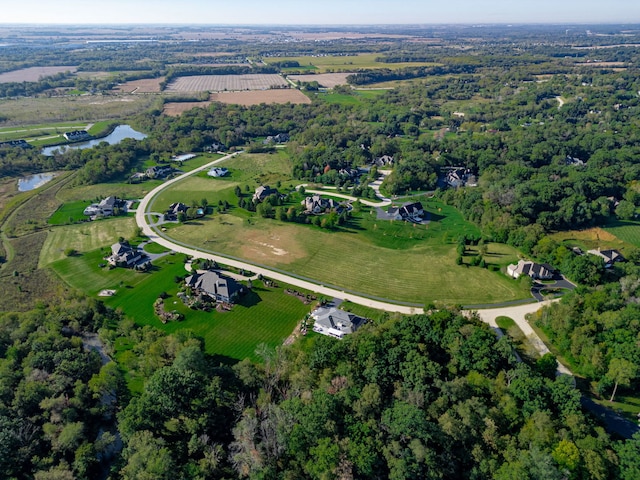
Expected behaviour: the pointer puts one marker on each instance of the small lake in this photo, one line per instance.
(34, 181)
(119, 133)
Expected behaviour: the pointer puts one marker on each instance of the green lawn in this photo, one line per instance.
(354, 98)
(69, 213)
(627, 231)
(262, 316)
(392, 260)
(85, 237)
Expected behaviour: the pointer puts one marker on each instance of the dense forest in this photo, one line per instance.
(433, 396)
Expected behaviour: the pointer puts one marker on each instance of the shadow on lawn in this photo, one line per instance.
(251, 299)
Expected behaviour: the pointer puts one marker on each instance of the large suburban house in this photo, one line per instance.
(159, 171)
(409, 211)
(174, 210)
(279, 138)
(608, 256)
(124, 255)
(15, 143)
(315, 204)
(335, 322)
(215, 285)
(217, 172)
(262, 192)
(383, 161)
(105, 208)
(77, 136)
(536, 271)
(456, 177)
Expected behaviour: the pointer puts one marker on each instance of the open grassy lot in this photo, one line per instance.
(85, 237)
(263, 316)
(627, 231)
(69, 213)
(327, 63)
(620, 236)
(246, 169)
(391, 260)
(35, 110)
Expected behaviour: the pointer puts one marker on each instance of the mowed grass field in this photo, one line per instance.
(627, 231)
(391, 260)
(85, 237)
(323, 64)
(245, 169)
(262, 316)
(69, 213)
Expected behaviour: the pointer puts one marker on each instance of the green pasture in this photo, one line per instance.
(266, 315)
(69, 213)
(327, 63)
(85, 237)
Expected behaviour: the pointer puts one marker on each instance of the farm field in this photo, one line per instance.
(85, 237)
(33, 74)
(262, 316)
(200, 83)
(327, 80)
(256, 97)
(145, 85)
(353, 98)
(325, 63)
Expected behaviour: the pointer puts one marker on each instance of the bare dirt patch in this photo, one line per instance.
(327, 80)
(175, 109)
(33, 74)
(145, 85)
(281, 246)
(219, 83)
(257, 97)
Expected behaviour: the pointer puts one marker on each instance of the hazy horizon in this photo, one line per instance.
(327, 13)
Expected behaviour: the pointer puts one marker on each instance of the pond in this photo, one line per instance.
(34, 181)
(119, 133)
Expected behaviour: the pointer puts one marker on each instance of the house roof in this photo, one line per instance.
(263, 191)
(336, 319)
(213, 283)
(411, 209)
(534, 270)
(120, 248)
(609, 256)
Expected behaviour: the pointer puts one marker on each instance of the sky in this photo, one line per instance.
(325, 12)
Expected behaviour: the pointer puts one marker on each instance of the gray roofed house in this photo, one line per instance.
(262, 192)
(315, 204)
(536, 271)
(216, 285)
(335, 322)
(105, 208)
(609, 256)
(124, 255)
(77, 135)
(383, 161)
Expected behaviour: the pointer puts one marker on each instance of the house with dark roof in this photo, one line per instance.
(383, 161)
(174, 210)
(262, 192)
(158, 171)
(537, 271)
(335, 322)
(15, 143)
(215, 285)
(124, 255)
(412, 211)
(77, 136)
(217, 172)
(456, 177)
(608, 256)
